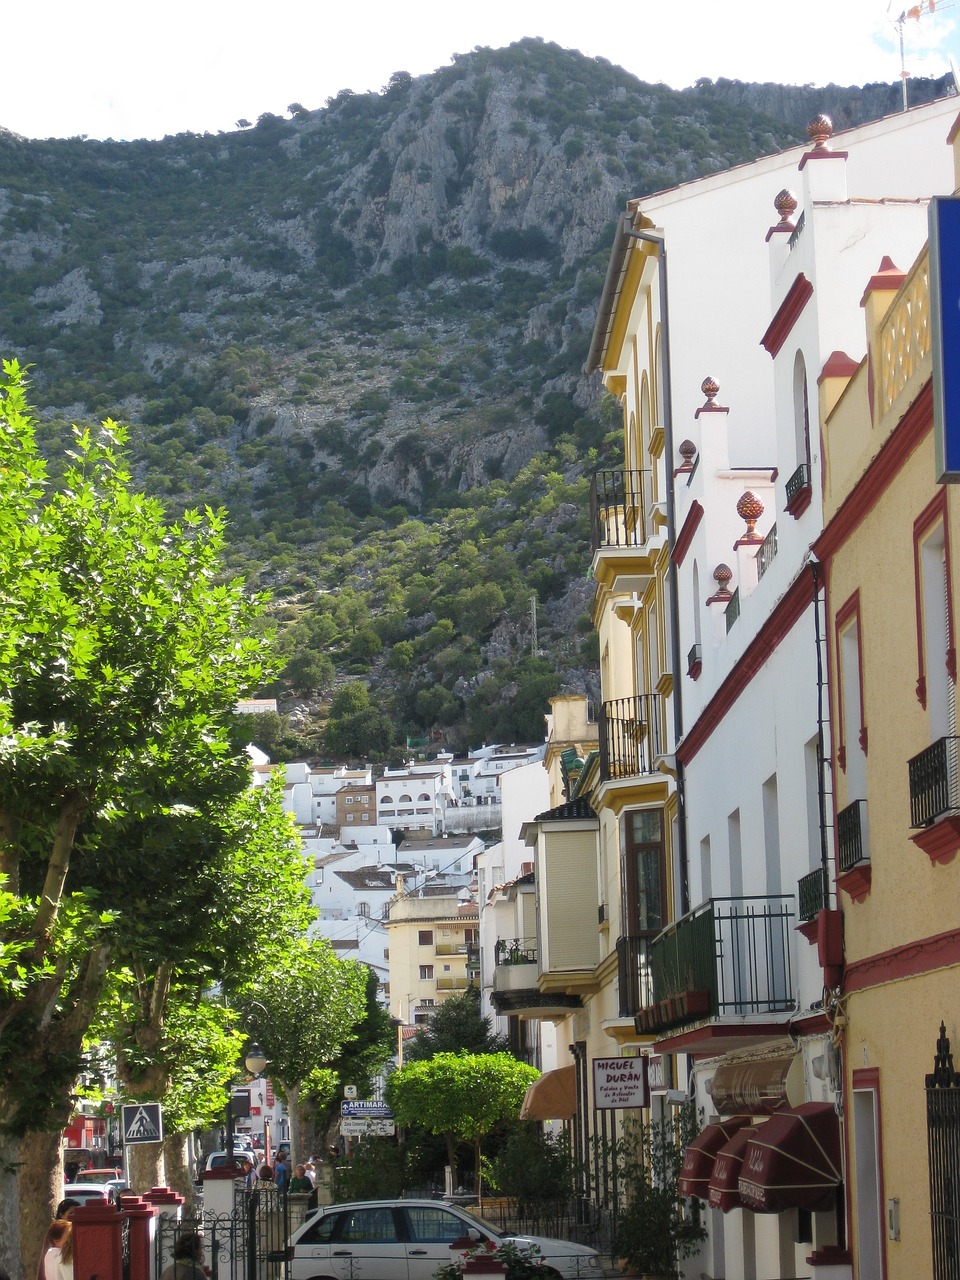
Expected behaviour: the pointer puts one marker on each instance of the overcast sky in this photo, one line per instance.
(135, 69)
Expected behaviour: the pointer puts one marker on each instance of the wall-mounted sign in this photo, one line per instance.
(620, 1082)
(944, 218)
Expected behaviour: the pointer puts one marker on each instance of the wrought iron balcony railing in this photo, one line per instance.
(635, 977)
(629, 731)
(620, 506)
(812, 894)
(515, 951)
(933, 783)
(767, 553)
(694, 659)
(799, 481)
(729, 957)
(853, 843)
(732, 611)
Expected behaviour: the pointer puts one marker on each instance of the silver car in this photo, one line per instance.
(410, 1239)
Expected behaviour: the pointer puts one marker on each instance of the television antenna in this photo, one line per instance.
(916, 13)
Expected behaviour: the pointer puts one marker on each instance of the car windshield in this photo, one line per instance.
(484, 1222)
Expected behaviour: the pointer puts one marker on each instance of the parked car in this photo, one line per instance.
(219, 1159)
(103, 1178)
(385, 1239)
(89, 1192)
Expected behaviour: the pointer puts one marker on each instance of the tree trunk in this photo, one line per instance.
(10, 1260)
(145, 1166)
(177, 1168)
(41, 1189)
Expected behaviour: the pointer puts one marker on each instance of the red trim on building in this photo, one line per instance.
(887, 279)
(799, 503)
(941, 840)
(856, 882)
(685, 536)
(788, 313)
(838, 365)
(924, 955)
(885, 468)
(821, 154)
(786, 614)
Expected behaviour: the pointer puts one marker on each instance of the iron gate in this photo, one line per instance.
(943, 1155)
(248, 1244)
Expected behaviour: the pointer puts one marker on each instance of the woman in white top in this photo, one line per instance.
(58, 1260)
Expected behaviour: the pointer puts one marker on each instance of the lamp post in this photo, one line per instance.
(255, 1063)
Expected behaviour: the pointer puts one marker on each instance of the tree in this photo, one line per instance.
(457, 1026)
(462, 1096)
(219, 875)
(122, 656)
(302, 1006)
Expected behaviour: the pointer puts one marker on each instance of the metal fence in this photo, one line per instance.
(249, 1243)
(943, 1154)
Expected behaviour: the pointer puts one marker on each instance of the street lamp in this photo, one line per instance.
(255, 1062)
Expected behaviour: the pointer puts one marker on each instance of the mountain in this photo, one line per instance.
(362, 330)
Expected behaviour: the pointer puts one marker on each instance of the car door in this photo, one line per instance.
(366, 1245)
(432, 1229)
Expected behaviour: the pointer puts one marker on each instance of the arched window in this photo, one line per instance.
(801, 412)
(386, 799)
(424, 795)
(406, 800)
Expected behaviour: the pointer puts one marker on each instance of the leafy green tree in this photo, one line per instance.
(309, 672)
(462, 1096)
(122, 656)
(303, 1007)
(457, 1026)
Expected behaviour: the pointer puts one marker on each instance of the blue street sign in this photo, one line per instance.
(365, 1111)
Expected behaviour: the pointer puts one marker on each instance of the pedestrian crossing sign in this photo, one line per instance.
(142, 1122)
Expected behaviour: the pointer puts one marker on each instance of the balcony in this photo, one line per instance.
(854, 872)
(731, 958)
(695, 661)
(732, 611)
(933, 783)
(621, 503)
(767, 553)
(453, 984)
(812, 895)
(635, 980)
(799, 490)
(629, 736)
(935, 800)
(853, 844)
(515, 983)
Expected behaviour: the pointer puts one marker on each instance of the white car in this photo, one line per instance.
(409, 1240)
(91, 1192)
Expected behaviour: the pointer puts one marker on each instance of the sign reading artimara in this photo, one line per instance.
(620, 1082)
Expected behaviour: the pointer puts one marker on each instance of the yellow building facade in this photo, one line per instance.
(889, 553)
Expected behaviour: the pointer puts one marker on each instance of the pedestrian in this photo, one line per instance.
(311, 1171)
(64, 1209)
(300, 1182)
(187, 1261)
(58, 1259)
(281, 1175)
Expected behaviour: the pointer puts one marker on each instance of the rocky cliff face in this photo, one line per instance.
(374, 311)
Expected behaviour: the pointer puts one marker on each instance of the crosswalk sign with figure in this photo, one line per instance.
(142, 1122)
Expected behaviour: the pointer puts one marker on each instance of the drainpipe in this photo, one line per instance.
(675, 657)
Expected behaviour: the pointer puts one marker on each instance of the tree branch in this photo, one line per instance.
(59, 863)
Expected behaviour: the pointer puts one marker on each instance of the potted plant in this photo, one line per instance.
(653, 1233)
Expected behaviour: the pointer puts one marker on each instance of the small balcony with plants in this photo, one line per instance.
(935, 799)
(516, 987)
(730, 959)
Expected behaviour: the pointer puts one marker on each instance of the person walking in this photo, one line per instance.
(187, 1261)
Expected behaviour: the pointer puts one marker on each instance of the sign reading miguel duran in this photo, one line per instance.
(620, 1083)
